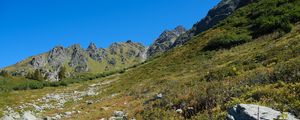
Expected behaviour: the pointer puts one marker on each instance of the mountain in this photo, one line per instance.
(248, 63)
(165, 41)
(76, 59)
(220, 12)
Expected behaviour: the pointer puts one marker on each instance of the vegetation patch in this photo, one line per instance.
(226, 41)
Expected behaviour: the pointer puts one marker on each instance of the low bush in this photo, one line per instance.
(220, 74)
(288, 72)
(4, 73)
(226, 41)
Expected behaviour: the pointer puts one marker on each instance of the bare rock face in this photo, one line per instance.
(115, 48)
(52, 76)
(78, 59)
(127, 49)
(95, 53)
(38, 61)
(165, 41)
(57, 56)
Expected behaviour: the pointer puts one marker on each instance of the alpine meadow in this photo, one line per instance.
(240, 62)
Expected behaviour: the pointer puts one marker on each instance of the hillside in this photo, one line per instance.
(251, 57)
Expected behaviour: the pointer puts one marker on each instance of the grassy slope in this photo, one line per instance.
(263, 71)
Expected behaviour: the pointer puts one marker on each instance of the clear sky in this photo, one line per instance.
(31, 27)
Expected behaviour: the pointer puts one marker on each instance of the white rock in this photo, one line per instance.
(28, 116)
(251, 111)
(160, 95)
(68, 113)
(119, 114)
(7, 118)
(179, 111)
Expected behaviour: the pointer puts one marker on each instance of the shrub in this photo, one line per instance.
(275, 15)
(5, 73)
(62, 73)
(269, 24)
(220, 74)
(37, 75)
(226, 41)
(122, 71)
(288, 72)
(30, 85)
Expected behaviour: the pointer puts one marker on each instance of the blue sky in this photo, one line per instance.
(31, 27)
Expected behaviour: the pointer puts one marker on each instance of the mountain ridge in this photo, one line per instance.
(77, 59)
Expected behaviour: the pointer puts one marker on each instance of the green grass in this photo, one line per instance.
(264, 70)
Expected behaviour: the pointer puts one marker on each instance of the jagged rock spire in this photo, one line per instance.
(92, 46)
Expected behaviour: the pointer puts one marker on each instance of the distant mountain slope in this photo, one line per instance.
(77, 59)
(224, 9)
(165, 41)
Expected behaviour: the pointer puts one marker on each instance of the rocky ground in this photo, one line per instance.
(34, 110)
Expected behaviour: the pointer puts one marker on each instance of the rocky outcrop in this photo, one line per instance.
(57, 56)
(220, 12)
(78, 59)
(252, 112)
(127, 49)
(165, 41)
(95, 53)
(51, 62)
(38, 61)
(224, 9)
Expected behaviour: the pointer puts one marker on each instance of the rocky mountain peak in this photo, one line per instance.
(165, 41)
(129, 41)
(179, 30)
(220, 12)
(76, 47)
(92, 47)
(224, 9)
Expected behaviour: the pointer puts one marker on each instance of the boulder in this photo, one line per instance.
(28, 116)
(252, 112)
(119, 115)
(6, 117)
